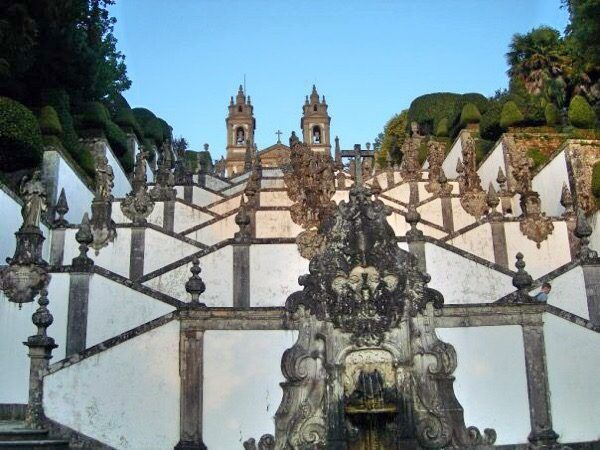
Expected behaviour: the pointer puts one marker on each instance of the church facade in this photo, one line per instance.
(325, 304)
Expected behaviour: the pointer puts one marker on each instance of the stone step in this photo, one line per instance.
(43, 444)
(16, 435)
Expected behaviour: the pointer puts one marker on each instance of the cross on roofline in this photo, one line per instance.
(278, 133)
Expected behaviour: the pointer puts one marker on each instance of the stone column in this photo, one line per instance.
(136, 255)
(591, 278)
(191, 365)
(40, 351)
(542, 435)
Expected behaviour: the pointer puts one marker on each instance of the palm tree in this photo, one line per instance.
(540, 63)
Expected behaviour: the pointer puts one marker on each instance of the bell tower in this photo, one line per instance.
(315, 123)
(240, 124)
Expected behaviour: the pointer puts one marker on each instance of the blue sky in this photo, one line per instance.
(369, 58)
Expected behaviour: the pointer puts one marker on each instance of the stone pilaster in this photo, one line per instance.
(79, 289)
(191, 368)
(542, 436)
(57, 247)
(499, 243)
(447, 214)
(241, 275)
(169, 215)
(591, 277)
(414, 192)
(188, 193)
(136, 255)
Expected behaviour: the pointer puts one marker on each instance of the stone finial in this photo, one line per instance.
(375, 187)
(294, 139)
(42, 319)
(242, 220)
(61, 208)
(566, 200)
(413, 218)
(522, 281)
(341, 180)
(493, 201)
(195, 286)
(501, 179)
(84, 237)
(583, 231)
(459, 167)
(338, 152)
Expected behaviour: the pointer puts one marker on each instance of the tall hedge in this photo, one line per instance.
(469, 114)
(581, 114)
(511, 115)
(489, 126)
(59, 100)
(49, 122)
(21, 144)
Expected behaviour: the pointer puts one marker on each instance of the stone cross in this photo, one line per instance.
(278, 133)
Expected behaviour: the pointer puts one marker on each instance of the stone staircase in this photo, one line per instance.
(15, 434)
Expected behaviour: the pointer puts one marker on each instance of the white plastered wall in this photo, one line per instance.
(86, 396)
(491, 383)
(573, 359)
(215, 184)
(273, 224)
(16, 326)
(186, 217)
(549, 182)
(274, 272)
(241, 384)
(161, 249)
(113, 257)
(217, 274)
(202, 197)
(553, 252)
(79, 196)
(114, 309)
(468, 281)
(460, 218)
(215, 232)
(226, 206)
(455, 153)
(568, 292)
(488, 171)
(432, 212)
(477, 241)
(10, 211)
(275, 198)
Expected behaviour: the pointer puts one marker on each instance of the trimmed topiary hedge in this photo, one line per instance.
(552, 114)
(442, 128)
(94, 116)
(21, 145)
(49, 122)
(427, 110)
(596, 180)
(489, 127)
(116, 138)
(469, 114)
(581, 114)
(511, 115)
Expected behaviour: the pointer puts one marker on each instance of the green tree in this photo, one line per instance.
(394, 134)
(584, 28)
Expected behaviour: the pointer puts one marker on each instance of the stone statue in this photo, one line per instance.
(34, 200)
(104, 178)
